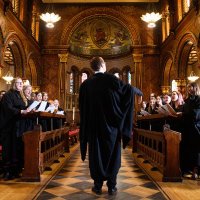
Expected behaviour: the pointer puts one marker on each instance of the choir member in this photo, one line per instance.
(190, 155)
(12, 108)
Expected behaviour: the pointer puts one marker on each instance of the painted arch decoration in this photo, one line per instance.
(101, 36)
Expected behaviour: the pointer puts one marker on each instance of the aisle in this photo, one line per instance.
(73, 182)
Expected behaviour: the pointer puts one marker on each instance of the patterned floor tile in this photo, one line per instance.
(73, 182)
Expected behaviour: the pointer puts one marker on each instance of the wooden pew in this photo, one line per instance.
(161, 149)
(41, 149)
(52, 146)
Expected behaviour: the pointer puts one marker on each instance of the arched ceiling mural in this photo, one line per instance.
(100, 36)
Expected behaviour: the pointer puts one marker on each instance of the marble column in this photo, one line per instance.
(62, 79)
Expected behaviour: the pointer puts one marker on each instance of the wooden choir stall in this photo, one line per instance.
(158, 144)
(43, 148)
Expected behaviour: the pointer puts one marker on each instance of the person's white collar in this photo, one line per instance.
(96, 72)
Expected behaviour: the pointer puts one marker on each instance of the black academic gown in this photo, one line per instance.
(10, 114)
(106, 115)
(190, 144)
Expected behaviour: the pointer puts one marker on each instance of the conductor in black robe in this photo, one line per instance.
(106, 115)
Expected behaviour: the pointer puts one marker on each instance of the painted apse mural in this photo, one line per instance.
(100, 36)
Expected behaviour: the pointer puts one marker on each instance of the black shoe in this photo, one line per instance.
(96, 190)
(112, 191)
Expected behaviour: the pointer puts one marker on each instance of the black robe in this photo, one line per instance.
(190, 144)
(10, 116)
(106, 115)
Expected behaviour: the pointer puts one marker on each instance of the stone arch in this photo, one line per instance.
(74, 68)
(92, 12)
(182, 53)
(32, 73)
(167, 62)
(89, 71)
(18, 52)
(115, 69)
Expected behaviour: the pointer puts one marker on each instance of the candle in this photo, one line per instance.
(73, 114)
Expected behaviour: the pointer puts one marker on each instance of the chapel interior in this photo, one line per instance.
(57, 60)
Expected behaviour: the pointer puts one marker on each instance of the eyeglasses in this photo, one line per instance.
(19, 82)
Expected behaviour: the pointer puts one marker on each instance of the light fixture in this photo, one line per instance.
(192, 77)
(50, 18)
(151, 17)
(25, 81)
(8, 77)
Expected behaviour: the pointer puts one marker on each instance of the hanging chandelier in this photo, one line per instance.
(151, 18)
(192, 77)
(50, 19)
(8, 77)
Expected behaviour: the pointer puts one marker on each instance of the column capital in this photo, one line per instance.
(63, 57)
(137, 58)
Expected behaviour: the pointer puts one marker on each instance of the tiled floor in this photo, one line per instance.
(73, 182)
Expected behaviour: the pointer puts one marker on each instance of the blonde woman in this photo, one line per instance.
(12, 106)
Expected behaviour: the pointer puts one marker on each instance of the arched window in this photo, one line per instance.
(74, 80)
(71, 83)
(127, 75)
(84, 76)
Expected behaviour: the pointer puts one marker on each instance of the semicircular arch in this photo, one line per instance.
(182, 53)
(96, 12)
(167, 62)
(13, 41)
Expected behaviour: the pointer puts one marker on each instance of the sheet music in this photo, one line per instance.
(50, 109)
(60, 112)
(33, 105)
(161, 110)
(167, 110)
(42, 106)
(171, 110)
(143, 112)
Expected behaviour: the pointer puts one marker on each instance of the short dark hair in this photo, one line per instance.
(96, 63)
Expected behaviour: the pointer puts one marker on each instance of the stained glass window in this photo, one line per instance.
(84, 76)
(71, 89)
(129, 76)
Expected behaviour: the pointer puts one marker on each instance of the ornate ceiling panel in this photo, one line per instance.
(100, 36)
